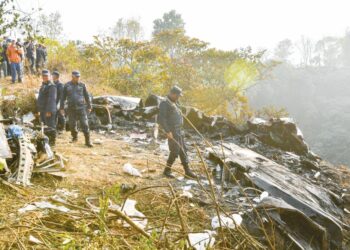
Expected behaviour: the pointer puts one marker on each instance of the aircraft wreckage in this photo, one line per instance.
(299, 192)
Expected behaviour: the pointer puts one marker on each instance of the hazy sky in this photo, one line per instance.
(226, 24)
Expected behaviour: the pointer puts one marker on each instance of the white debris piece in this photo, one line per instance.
(66, 193)
(202, 241)
(136, 216)
(190, 182)
(35, 240)
(231, 222)
(9, 97)
(262, 196)
(187, 194)
(164, 146)
(43, 205)
(141, 136)
(98, 141)
(27, 118)
(66, 241)
(317, 175)
(129, 169)
(180, 178)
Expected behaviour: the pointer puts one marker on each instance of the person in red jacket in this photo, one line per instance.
(14, 54)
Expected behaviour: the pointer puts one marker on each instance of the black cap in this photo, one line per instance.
(56, 73)
(76, 73)
(45, 72)
(176, 90)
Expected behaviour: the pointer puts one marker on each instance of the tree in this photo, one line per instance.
(327, 52)
(283, 50)
(170, 21)
(11, 17)
(345, 49)
(306, 48)
(128, 29)
(50, 25)
(176, 44)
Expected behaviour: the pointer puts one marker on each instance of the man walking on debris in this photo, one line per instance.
(60, 119)
(170, 119)
(78, 101)
(47, 106)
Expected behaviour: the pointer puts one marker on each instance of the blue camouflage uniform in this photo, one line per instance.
(60, 119)
(47, 102)
(78, 101)
(170, 119)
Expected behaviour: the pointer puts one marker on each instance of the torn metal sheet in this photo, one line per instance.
(302, 231)
(125, 103)
(280, 182)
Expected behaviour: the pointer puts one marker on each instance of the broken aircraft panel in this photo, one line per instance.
(280, 182)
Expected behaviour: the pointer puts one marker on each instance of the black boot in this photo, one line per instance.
(52, 138)
(189, 173)
(167, 172)
(74, 137)
(87, 140)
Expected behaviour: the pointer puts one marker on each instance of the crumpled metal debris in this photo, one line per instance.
(302, 195)
(31, 152)
(280, 132)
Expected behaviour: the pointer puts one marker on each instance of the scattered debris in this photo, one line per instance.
(34, 240)
(129, 169)
(42, 205)
(202, 241)
(232, 221)
(280, 182)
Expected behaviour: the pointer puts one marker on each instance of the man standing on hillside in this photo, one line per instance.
(170, 119)
(47, 106)
(30, 52)
(78, 99)
(4, 60)
(14, 54)
(60, 119)
(39, 58)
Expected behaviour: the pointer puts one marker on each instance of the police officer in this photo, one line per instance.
(170, 119)
(60, 119)
(47, 106)
(78, 101)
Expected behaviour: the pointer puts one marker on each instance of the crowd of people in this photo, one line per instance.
(17, 58)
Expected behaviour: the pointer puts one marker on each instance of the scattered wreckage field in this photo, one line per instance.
(260, 187)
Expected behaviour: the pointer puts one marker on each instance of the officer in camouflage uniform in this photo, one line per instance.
(170, 119)
(46, 106)
(78, 104)
(60, 119)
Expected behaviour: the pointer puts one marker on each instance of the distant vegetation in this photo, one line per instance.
(213, 80)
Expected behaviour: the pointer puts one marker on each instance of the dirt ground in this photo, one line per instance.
(103, 164)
